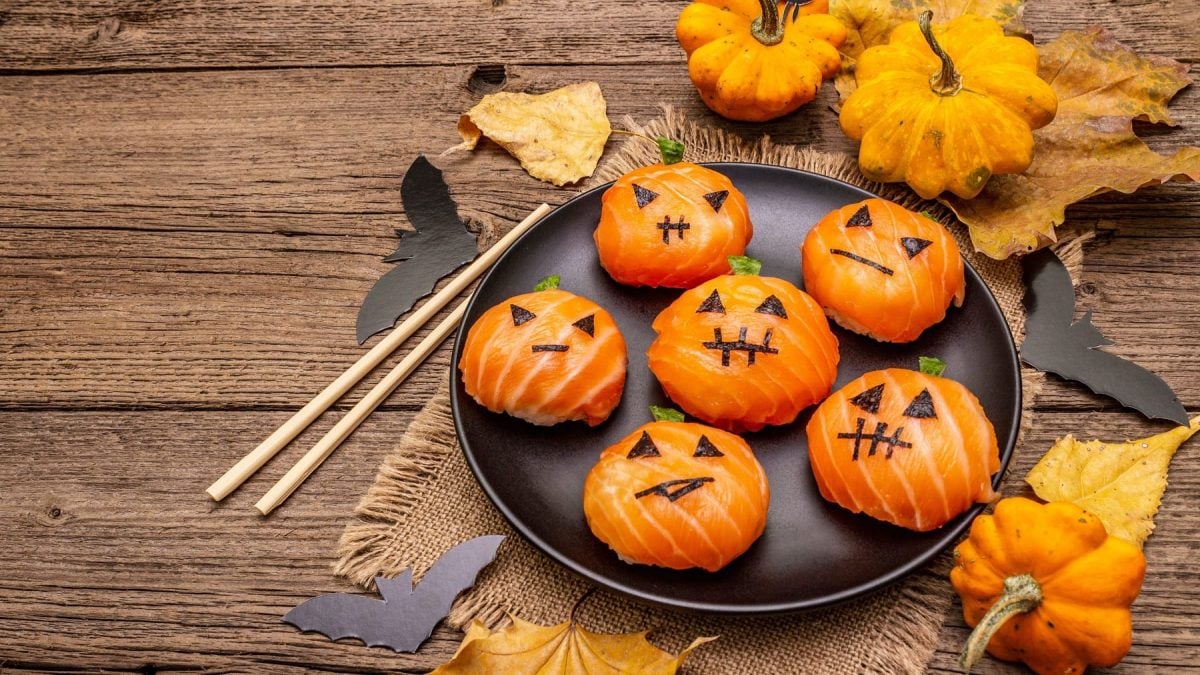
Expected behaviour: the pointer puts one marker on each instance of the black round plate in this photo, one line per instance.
(813, 553)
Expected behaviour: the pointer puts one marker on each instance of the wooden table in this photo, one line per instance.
(194, 198)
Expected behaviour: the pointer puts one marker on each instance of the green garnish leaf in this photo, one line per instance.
(931, 365)
(548, 283)
(671, 150)
(744, 265)
(662, 414)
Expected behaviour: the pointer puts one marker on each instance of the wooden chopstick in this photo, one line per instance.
(270, 447)
(346, 426)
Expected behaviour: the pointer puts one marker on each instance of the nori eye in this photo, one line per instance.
(645, 447)
(643, 196)
(772, 305)
(521, 315)
(869, 399)
(921, 407)
(716, 199)
(913, 245)
(587, 324)
(705, 448)
(861, 218)
(712, 304)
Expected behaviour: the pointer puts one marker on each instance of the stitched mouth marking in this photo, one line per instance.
(878, 437)
(740, 345)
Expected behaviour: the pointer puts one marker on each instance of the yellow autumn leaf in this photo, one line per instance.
(558, 136)
(1122, 483)
(870, 22)
(1089, 148)
(523, 647)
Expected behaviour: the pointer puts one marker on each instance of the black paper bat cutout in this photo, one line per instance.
(405, 617)
(1057, 344)
(440, 245)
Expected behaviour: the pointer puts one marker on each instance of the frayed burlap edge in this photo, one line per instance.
(428, 456)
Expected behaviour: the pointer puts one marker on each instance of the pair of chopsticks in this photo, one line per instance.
(259, 456)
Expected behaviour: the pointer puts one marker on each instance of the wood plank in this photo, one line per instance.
(114, 34)
(122, 562)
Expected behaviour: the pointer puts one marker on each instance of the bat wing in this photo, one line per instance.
(1050, 297)
(440, 245)
(341, 615)
(1130, 384)
(452, 574)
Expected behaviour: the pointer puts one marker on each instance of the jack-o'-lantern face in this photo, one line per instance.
(903, 446)
(672, 226)
(682, 477)
(882, 270)
(740, 352)
(546, 357)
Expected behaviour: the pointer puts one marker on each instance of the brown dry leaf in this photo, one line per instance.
(523, 647)
(558, 136)
(870, 22)
(1089, 148)
(1122, 483)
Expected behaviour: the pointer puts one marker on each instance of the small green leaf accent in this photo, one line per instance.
(548, 283)
(744, 265)
(671, 150)
(662, 414)
(931, 365)
(929, 214)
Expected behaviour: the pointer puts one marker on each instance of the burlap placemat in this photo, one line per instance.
(425, 501)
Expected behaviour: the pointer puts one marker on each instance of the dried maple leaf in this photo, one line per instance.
(870, 22)
(523, 647)
(1122, 483)
(558, 136)
(1089, 148)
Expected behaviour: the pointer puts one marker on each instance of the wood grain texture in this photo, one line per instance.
(123, 34)
(194, 198)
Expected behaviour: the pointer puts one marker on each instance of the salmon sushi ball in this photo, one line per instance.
(546, 357)
(883, 271)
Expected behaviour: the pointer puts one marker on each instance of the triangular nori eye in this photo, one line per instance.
(643, 196)
(712, 304)
(587, 324)
(869, 399)
(914, 246)
(772, 305)
(521, 315)
(645, 447)
(921, 407)
(705, 448)
(861, 218)
(716, 199)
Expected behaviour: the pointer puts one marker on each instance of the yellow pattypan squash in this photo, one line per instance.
(749, 64)
(1047, 585)
(945, 107)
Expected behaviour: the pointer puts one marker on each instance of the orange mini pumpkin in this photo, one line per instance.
(677, 495)
(882, 270)
(671, 225)
(905, 447)
(749, 63)
(546, 357)
(744, 351)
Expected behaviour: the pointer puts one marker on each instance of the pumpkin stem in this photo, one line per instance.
(947, 82)
(1022, 593)
(767, 28)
